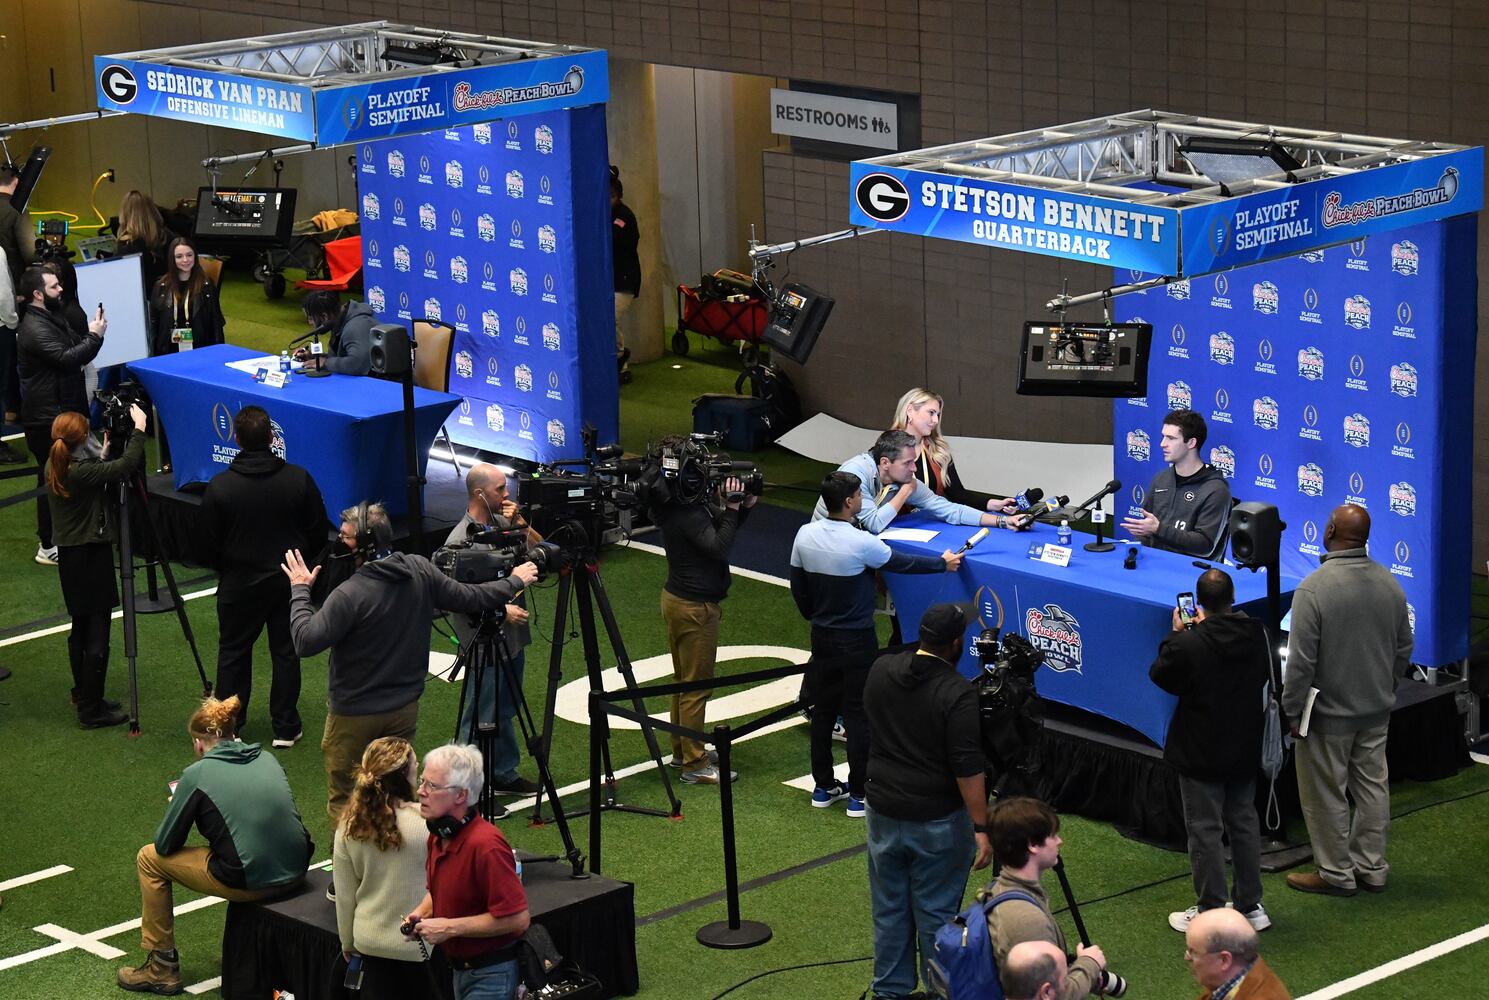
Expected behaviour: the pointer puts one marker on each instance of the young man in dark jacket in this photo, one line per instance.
(350, 326)
(50, 359)
(1187, 508)
(1218, 667)
(255, 509)
(376, 626)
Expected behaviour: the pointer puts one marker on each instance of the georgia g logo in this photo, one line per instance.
(882, 197)
(118, 83)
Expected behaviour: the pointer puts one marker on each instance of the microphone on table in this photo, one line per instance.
(1028, 498)
(1102, 494)
(316, 333)
(981, 534)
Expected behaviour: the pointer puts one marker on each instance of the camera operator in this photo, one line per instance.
(887, 472)
(376, 626)
(1218, 668)
(351, 333)
(239, 799)
(832, 580)
(489, 507)
(927, 797)
(83, 520)
(51, 359)
(1026, 841)
(697, 538)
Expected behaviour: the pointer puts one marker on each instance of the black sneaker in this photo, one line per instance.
(99, 717)
(517, 786)
(9, 456)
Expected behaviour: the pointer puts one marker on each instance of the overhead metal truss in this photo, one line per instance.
(350, 54)
(1106, 157)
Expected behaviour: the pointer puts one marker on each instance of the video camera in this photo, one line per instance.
(114, 405)
(492, 555)
(685, 470)
(1010, 708)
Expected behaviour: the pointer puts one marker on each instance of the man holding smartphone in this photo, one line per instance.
(1218, 665)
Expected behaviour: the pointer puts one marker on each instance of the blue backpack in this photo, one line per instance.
(963, 967)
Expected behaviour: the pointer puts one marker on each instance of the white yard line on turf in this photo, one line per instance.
(748, 574)
(205, 985)
(1399, 965)
(21, 880)
(67, 627)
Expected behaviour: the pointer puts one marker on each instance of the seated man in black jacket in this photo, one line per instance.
(256, 508)
(1218, 666)
(351, 333)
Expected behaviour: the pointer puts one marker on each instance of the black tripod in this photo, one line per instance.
(134, 485)
(583, 573)
(483, 658)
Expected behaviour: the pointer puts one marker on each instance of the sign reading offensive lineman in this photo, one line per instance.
(191, 95)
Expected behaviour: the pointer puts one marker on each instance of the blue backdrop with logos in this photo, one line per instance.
(1340, 375)
(503, 231)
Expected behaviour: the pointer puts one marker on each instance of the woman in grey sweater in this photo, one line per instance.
(378, 872)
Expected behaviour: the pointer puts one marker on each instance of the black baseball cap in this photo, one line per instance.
(943, 622)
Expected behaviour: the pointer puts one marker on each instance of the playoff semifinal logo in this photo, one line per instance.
(882, 197)
(1055, 632)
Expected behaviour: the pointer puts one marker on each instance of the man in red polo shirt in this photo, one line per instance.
(475, 909)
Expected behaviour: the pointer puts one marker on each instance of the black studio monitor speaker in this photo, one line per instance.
(1255, 535)
(391, 353)
(796, 319)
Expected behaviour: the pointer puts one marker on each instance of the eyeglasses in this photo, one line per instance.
(1191, 955)
(426, 783)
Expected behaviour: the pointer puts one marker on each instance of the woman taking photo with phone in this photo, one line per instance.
(83, 529)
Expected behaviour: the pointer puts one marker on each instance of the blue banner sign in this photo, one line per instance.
(457, 98)
(1331, 210)
(1014, 217)
(192, 95)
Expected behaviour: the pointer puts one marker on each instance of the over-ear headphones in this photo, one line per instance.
(445, 827)
(373, 539)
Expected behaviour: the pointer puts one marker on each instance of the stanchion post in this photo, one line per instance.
(733, 932)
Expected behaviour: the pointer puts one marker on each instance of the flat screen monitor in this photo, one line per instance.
(1084, 359)
(229, 218)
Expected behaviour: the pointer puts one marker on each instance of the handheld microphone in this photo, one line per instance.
(1130, 561)
(1102, 494)
(1029, 498)
(1044, 507)
(981, 534)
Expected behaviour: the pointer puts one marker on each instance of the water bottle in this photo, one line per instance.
(284, 362)
(519, 868)
(1064, 533)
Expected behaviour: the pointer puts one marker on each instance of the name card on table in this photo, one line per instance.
(1048, 552)
(275, 380)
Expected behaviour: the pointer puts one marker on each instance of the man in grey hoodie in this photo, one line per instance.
(376, 626)
(1351, 642)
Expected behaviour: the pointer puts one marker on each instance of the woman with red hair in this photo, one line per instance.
(84, 532)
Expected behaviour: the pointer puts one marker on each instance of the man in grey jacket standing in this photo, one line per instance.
(1351, 642)
(376, 626)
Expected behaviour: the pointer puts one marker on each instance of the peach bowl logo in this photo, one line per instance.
(1265, 413)
(1357, 312)
(454, 174)
(1311, 480)
(1357, 430)
(1265, 298)
(1055, 632)
(395, 163)
(1139, 445)
(1178, 290)
(543, 139)
(459, 270)
(1224, 459)
(401, 259)
(465, 365)
(277, 444)
(482, 134)
(432, 309)
(427, 217)
(1403, 499)
(1405, 257)
(491, 324)
(1222, 348)
(372, 208)
(523, 376)
(551, 337)
(1404, 379)
(547, 239)
(515, 184)
(495, 418)
(556, 433)
(1180, 395)
(518, 278)
(486, 228)
(1311, 364)
(377, 299)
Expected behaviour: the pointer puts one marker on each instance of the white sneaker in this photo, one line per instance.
(46, 557)
(1258, 918)
(1180, 921)
(279, 743)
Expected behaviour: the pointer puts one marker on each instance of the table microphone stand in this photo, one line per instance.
(1101, 544)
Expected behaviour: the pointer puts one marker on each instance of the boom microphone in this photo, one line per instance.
(1029, 498)
(1103, 493)
(981, 534)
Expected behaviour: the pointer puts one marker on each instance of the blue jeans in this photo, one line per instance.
(917, 876)
(505, 756)
(492, 982)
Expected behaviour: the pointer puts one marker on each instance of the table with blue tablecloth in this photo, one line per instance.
(1097, 623)
(347, 430)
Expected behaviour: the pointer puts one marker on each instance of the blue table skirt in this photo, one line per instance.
(347, 430)
(1098, 624)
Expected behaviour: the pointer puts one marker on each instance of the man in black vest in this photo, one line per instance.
(257, 508)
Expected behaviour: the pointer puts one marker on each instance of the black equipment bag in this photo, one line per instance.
(747, 423)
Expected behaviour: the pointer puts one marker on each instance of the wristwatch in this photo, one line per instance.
(981, 828)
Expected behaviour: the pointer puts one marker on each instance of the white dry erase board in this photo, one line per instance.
(116, 283)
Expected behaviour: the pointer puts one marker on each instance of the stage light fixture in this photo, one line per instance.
(1230, 161)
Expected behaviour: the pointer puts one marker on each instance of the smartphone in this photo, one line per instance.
(1185, 603)
(353, 979)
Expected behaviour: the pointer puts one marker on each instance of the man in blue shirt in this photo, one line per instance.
(832, 580)
(886, 473)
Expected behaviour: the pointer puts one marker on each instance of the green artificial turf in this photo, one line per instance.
(91, 799)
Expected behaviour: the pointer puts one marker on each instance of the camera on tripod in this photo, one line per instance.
(1009, 706)
(493, 554)
(114, 406)
(686, 470)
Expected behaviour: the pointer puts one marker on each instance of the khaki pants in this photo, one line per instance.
(187, 867)
(1346, 848)
(693, 639)
(346, 738)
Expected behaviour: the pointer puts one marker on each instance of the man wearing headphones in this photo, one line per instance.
(376, 626)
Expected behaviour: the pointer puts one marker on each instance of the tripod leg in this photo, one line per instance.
(623, 661)
(555, 670)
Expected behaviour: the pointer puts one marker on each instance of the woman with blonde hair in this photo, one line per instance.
(84, 532)
(237, 797)
(919, 414)
(378, 873)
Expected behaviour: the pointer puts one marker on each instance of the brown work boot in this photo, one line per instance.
(157, 975)
(1313, 882)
